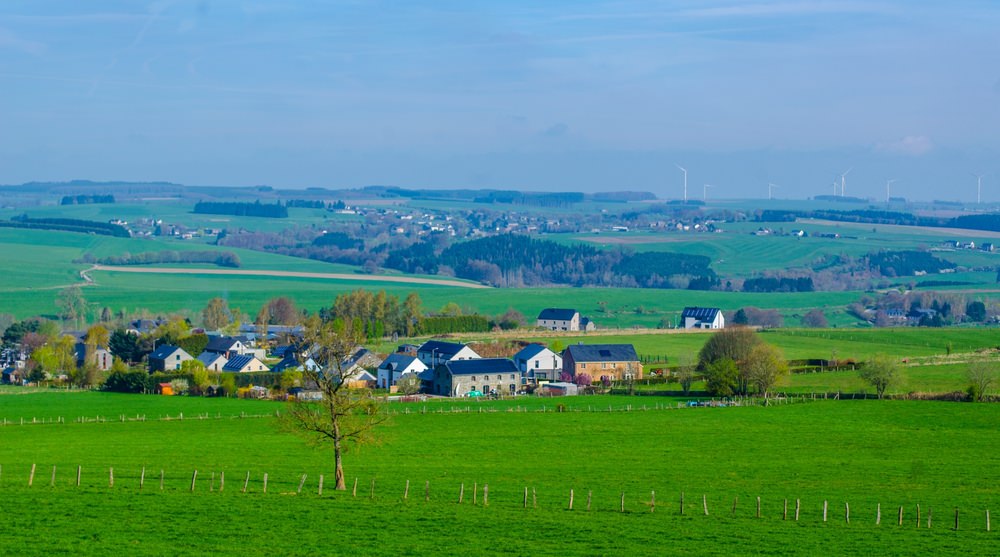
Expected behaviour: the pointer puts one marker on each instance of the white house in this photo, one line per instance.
(557, 319)
(434, 352)
(213, 361)
(244, 364)
(393, 368)
(538, 363)
(703, 318)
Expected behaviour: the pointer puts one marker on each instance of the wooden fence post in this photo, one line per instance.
(111, 477)
(929, 510)
(194, 477)
(52, 482)
(798, 505)
(956, 518)
(222, 480)
(320, 490)
(427, 491)
(302, 483)
(704, 503)
(623, 501)
(79, 470)
(570, 499)
(784, 512)
(987, 520)
(372, 494)
(486, 495)
(534, 499)
(246, 482)
(406, 492)
(31, 477)
(211, 482)
(878, 514)
(265, 482)
(142, 478)
(161, 479)
(461, 493)
(847, 512)
(735, 501)
(475, 493)
(682, 502)
(824, 510)
(525, 503)
(918, 515)
(354, 492)
(900, 516)
(591, 494)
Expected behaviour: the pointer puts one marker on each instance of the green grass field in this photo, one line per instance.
(938, 455)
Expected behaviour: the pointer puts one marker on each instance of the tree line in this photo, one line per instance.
(256, 209)
(86, 199)
(220, 258)
(67, 225)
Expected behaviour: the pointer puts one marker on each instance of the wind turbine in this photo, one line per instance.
(770, 190)
(843, 181)
(887, 182)
(704, 194)
(979, 186)
(685, 171)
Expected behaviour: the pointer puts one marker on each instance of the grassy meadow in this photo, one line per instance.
(865, 453)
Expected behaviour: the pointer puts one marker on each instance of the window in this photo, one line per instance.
(604, 365)
(472, 388)
(536, 364)
(473, 378)
(512, 376)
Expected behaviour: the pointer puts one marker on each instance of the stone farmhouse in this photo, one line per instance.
(559, 319)
(480, 376)
(612, 361)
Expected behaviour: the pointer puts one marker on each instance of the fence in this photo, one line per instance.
(784, 509)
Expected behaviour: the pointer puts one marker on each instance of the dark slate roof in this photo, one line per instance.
(603, 353)
(557, 314)
(529, 351)
(207, 357)
(221, 344)
(701, 314)
(164, 351)
(482, 365)
(397, 361)
(237, 363)
(289, 361)
(443, 349)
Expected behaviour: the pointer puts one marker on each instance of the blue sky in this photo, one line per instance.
(555, 95)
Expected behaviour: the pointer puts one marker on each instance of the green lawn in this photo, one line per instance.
(936, 455)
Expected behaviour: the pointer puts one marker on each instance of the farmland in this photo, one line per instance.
(893, 453)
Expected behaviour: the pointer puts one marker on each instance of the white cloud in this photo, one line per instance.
(914, 145)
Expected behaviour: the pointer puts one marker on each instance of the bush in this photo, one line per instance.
(126, 382)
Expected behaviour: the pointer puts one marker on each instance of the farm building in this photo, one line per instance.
(434, 352)
(560, 389)
(703, 318)
(476, 377)
(395, 367)
(612, 361)
(538, 363)
(168, 358)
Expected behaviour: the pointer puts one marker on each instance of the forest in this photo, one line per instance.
(86, 199)
(220, 258)
(67, 225)
(257, 209)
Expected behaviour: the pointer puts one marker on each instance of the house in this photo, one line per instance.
(599, 361)
(476, 377)
(359, 378)
(99, 356)
(213, 361)
(395, 367)
(362, 357)
(168, 358)
(703, 318)
(227, 346)
(538, 363)
(244, 364)
(586, 324)
(291, 361)
(434, 352)
(557, 319)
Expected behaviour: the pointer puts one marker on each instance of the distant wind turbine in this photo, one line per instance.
(770, 190)
(843, 182)
(704, 194)
(887, 182)
(979, 187)
(685, 171)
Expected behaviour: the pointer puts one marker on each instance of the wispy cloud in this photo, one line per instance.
(12, 41)
(912, 145)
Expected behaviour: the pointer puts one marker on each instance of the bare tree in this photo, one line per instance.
(982, 375)
(880, 372)
(343, 416)
(409, 384)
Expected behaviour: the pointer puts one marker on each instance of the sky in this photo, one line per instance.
(554, 96)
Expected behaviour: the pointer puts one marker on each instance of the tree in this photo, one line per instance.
(216, 314)
(721, 377)
(125, 345)
(279, 311)
(764, 367)
(684, 373)
(409, 384)
(583, 380)
(511, 319)
(982, 375)
(740, 317)
(412, 312)
(71, 304)
(815, 319)
(881, 372)
(194, 344)
(976, 311)
(734, 343)
(199, 375)
(97, 336)
(343, 417)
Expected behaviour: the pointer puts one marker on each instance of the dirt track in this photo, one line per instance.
(292, 274)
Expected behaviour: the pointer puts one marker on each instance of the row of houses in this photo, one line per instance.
(565, 319)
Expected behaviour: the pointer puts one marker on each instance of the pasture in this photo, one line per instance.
(894, 453)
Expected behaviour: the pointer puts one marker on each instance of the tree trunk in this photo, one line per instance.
(338, 474)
